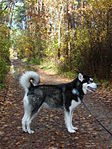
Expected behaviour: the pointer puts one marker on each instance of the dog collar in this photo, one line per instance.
(76, 92)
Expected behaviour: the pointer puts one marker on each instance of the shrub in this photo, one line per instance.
(4, 54)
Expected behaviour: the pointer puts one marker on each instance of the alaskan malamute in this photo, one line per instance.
(66, 96)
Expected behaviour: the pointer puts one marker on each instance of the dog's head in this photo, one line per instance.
(87, 83)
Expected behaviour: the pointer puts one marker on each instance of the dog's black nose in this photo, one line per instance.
(98, 84)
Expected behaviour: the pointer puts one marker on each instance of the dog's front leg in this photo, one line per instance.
(74, 104)
(68, 121)
(71, 116)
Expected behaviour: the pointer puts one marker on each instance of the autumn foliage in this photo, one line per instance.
(4, 54)
(75, 35)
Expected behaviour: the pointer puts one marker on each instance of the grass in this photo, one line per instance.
(105, 83)
(67, 74)
(35, 61)
(50, 65)
(2, 86)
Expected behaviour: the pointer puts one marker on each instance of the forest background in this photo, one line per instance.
(67, 35)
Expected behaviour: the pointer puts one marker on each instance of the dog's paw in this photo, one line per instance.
(24, 129)
(71, 130)
(30, 131)
(75, 128)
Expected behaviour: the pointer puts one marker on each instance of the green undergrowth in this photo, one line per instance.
(68, 74)
(2, 85)
(50, 65)
(105, 84)
(35, 61)
(4, 54)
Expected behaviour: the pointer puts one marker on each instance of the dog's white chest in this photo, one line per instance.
(74, 104)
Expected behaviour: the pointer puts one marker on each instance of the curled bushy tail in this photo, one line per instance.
(26, 77)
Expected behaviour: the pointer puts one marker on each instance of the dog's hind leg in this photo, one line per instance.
(29, 119)
(27, 113)
(24, 123)
(34, 111)
(28, 123)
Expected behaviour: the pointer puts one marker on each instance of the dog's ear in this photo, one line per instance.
(80, 77)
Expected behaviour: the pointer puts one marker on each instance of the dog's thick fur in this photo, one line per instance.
(66, 96)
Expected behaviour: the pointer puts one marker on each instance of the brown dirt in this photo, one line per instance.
(50, 130)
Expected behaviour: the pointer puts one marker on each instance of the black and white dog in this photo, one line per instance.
(66, 96)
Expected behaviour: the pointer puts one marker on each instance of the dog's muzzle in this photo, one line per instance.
(92, 87)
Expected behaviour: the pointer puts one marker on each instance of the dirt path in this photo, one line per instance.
(50, 131)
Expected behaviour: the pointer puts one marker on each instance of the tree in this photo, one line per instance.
(76, 34)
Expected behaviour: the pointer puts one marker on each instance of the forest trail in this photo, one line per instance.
(50, 130)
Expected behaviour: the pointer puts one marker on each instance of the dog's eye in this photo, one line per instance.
(90, 81)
